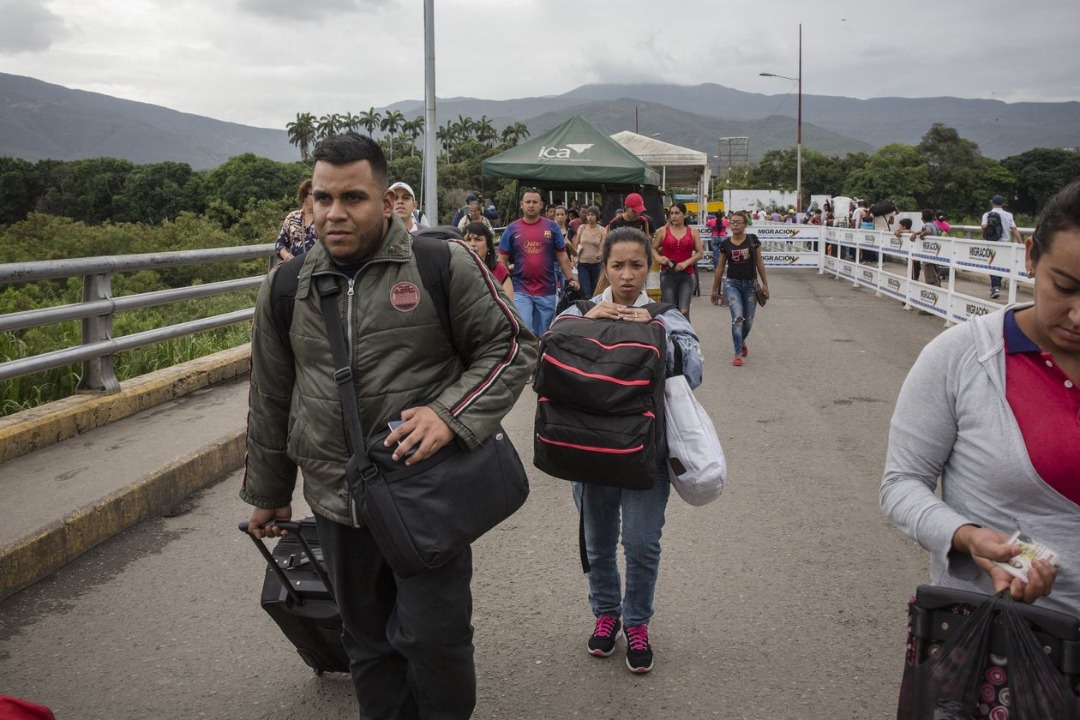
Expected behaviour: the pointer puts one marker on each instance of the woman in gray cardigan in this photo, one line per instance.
(992, 406)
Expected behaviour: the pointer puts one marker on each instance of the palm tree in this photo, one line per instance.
(370, 120)
(328, 125)
(465, 127)
(302, 133)
(350, 122)
(485, 130)
(444, 135)
(514, 133)
(413, 129)
(391, 123)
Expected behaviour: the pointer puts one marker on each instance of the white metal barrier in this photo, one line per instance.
(890, 264)
(883, 262)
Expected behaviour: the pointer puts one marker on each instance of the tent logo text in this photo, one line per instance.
(554, 153)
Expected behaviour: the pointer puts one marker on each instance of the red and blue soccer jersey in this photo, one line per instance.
(533, 249)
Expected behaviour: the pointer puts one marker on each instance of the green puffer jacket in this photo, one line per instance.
(401, 356)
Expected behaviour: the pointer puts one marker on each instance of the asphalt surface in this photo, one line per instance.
(784, 598)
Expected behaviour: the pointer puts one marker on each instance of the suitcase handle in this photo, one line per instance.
(293, 527)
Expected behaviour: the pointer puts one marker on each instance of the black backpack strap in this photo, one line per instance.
(658, 308)
(582, 550)
(283, 283)
(584, 306)
(326, 287)
(432, 251)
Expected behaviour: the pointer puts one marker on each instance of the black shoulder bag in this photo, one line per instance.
(421, 515)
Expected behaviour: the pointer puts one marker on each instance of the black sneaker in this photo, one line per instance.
(608, 630)
(994, 294)
(639, 655)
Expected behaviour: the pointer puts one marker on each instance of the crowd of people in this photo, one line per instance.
(988, 409)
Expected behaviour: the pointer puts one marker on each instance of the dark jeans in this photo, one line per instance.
(677, 288)
(588, 276)
(409, 641)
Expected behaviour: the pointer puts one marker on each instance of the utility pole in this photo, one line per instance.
(431, 180)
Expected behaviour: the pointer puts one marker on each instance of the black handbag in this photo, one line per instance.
(970, 653)
(759, 294)
(422, 515)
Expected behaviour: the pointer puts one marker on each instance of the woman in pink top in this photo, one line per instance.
(679, 248)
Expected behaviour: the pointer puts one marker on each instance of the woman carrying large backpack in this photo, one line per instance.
(608, 511)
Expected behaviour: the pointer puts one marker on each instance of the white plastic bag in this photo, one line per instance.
(696, 462)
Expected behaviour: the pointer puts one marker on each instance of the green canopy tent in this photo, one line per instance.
(573, 155)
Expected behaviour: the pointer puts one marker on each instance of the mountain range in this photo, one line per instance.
(39, 120)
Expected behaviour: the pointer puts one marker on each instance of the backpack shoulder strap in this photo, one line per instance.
(432, 261)
(432, 252)
(658, 308)
(584, 306)
(283, 283)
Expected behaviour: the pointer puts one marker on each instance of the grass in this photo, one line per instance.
(30, 391)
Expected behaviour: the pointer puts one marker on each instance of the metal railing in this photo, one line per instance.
(98, 306)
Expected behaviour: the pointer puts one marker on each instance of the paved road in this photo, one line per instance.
(785, 598)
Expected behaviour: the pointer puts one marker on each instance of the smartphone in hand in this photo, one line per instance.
(393, 425)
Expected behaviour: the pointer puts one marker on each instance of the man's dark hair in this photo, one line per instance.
(906, 223)
(1061, 213)
(927, 215)
(353, 147)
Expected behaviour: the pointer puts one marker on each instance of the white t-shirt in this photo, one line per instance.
(1007, 222)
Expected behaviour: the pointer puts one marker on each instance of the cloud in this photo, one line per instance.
(304, 12)
(28, 27)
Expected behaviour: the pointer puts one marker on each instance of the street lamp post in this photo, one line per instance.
(798, 130)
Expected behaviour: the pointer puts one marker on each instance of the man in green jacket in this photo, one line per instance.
(409, 640)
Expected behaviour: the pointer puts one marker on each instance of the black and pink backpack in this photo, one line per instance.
(600, 409)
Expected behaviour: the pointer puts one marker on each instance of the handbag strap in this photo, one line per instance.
(327, 289)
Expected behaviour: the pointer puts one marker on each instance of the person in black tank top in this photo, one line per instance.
(740, 256)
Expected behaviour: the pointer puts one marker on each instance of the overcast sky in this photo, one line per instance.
(260, 62)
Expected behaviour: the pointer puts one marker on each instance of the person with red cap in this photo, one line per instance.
(633, 215)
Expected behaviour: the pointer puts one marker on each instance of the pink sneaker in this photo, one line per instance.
(745, 350)
(608, 630)
(737, 362)
(639, 654)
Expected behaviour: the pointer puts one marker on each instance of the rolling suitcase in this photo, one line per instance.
(296, 593)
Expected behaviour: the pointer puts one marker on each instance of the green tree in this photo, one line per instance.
(896, 172)
(514, 133)
(302, 133)
(961, 179)
(390, 124)
(1039, 174)
(446, 136)
(370, 120)
(158, 192)
(245, 179)
(328, 125)
(350, 122)
(83, 189)
(413, 129)
(20, 186)
(485, 131)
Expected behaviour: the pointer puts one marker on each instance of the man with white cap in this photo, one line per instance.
(405, 206)
(633, 215)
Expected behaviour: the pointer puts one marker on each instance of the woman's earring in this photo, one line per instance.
(1031, 273)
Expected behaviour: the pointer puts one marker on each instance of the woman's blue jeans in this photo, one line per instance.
(743, 304)
(588, 276)
(642, 520)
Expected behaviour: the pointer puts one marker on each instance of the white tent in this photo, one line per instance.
(678, 166)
